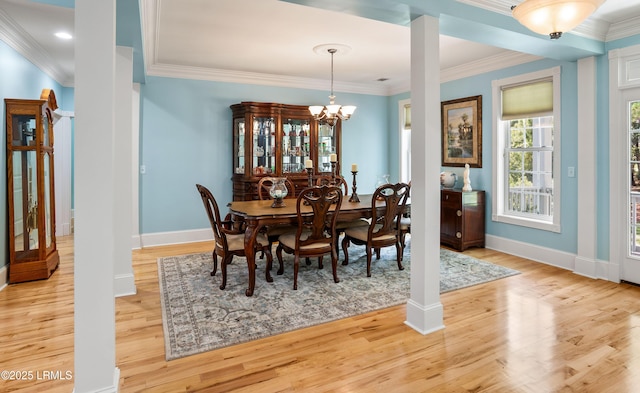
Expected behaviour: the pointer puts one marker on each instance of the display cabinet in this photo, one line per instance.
(462, 220)
(271, 139)
(30, 194)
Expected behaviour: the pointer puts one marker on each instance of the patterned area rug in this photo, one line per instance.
(198, 317)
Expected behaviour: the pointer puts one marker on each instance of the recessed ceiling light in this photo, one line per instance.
(64, 36)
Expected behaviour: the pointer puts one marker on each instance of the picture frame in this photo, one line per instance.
(462, 132)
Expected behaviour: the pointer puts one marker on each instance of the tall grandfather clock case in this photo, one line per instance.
(30, 194)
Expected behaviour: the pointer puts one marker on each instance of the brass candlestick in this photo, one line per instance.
(354, 195)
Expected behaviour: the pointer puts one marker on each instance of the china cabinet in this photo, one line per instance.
(279, 140)
(462, 221)
(30, 195)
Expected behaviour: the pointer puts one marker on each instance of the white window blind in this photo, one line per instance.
(527, 100)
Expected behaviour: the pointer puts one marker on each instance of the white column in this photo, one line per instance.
(124, 280)
(585, 261)
(94, 331)
(424, 310)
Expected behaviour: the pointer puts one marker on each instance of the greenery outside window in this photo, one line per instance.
(526, 178)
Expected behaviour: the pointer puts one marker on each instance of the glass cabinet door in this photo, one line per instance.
(23, 130)
(238, 146)
(326, 147)
(25, 203)
(295, 145)
(264, 146)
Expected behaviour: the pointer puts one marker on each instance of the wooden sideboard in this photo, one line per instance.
(462, 218)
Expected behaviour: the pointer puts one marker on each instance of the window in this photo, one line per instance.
(405, 140)
(526, 179)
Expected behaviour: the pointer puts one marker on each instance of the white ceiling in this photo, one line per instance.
(271, 41)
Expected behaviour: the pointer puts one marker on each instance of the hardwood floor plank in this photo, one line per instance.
(545, 330)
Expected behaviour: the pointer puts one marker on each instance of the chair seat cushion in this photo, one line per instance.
(352, 224)
(289, 240)
(236, 242)
(361, 234)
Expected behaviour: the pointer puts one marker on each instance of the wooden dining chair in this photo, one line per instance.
(274, 231)
(316, 232)
(326, 180)
(405, 223)
(387, 205)
(341, 226)
(229, 242)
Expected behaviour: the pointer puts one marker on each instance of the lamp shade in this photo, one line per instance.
(553, 17)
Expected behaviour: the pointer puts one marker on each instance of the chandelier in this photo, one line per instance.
(331, 113)
(553, 17)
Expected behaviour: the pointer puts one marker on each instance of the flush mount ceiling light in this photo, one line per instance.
(63, 35)
(554, 17)
(331, 113)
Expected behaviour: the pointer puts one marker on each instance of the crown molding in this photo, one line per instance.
(485, 65)
(18, 39)
(482, 66)
(624, 29)
(231, 76)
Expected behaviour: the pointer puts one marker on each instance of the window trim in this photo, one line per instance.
(498, 211)
(402, 105)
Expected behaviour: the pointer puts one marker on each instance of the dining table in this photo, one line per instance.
(257, 214)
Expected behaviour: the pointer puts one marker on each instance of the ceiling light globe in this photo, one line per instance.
(554, 16)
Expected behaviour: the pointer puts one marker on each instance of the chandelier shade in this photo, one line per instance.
(329, 114)
(554, 17)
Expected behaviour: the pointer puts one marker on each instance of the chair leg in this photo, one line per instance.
(279, 255)
(296, 263)
(399, 255)
(345, 245)
(334, 264)
(223, 267)
(369, 257)
(267, 271)
(378, 253)
(215, 263)
(320, 265)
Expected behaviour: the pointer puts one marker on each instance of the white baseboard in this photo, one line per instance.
(4, 277)
(424, 319)
(178, 237)
(596, 269)
(115, 388)
(124, 285)
(136, 242)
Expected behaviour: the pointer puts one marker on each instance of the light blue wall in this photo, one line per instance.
(186, 139)
(482, 177)
(19, 78)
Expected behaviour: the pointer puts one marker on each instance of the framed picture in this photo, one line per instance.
(462, 132)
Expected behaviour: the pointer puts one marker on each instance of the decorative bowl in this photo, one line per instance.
(448, 179)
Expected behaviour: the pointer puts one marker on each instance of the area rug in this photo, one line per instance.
(198, 317)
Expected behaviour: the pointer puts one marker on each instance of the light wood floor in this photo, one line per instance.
(545, 330)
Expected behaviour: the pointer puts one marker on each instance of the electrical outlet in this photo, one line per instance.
(571, 171)
(143, 169)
